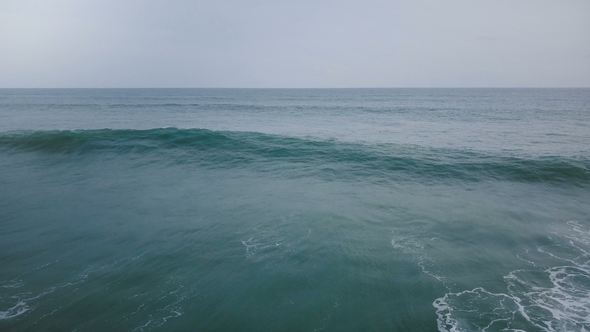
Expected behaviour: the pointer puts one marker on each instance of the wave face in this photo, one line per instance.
(348, 161)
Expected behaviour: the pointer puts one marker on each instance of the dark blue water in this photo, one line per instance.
(295, 210)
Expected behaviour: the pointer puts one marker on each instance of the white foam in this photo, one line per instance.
(26, 301)
(154, 323)
(135, 312)
(11, 284)
(411, 246)
(46, 315)
(264, 241)
(268, 238)
(18, 309)
(562, 303)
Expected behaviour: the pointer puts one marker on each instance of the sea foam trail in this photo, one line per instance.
(560, 303)
(18, 309)
(379, 162)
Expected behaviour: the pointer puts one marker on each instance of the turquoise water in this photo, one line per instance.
(295, 210)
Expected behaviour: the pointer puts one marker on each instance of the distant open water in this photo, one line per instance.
(295, 210)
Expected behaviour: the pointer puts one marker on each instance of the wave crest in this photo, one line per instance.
(326, 158)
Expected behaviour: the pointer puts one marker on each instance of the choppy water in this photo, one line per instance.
(298, 210)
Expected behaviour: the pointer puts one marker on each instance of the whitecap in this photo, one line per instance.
(544, 298)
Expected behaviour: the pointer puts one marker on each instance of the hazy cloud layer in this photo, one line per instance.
(302, 43)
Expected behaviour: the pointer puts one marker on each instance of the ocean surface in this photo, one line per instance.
(295, 210)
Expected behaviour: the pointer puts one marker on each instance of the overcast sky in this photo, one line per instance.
(259, 43)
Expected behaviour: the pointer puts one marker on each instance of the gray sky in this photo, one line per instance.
(260, 43)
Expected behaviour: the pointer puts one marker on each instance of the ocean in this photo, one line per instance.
(295, 210)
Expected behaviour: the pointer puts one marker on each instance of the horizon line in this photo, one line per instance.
(305, 88)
